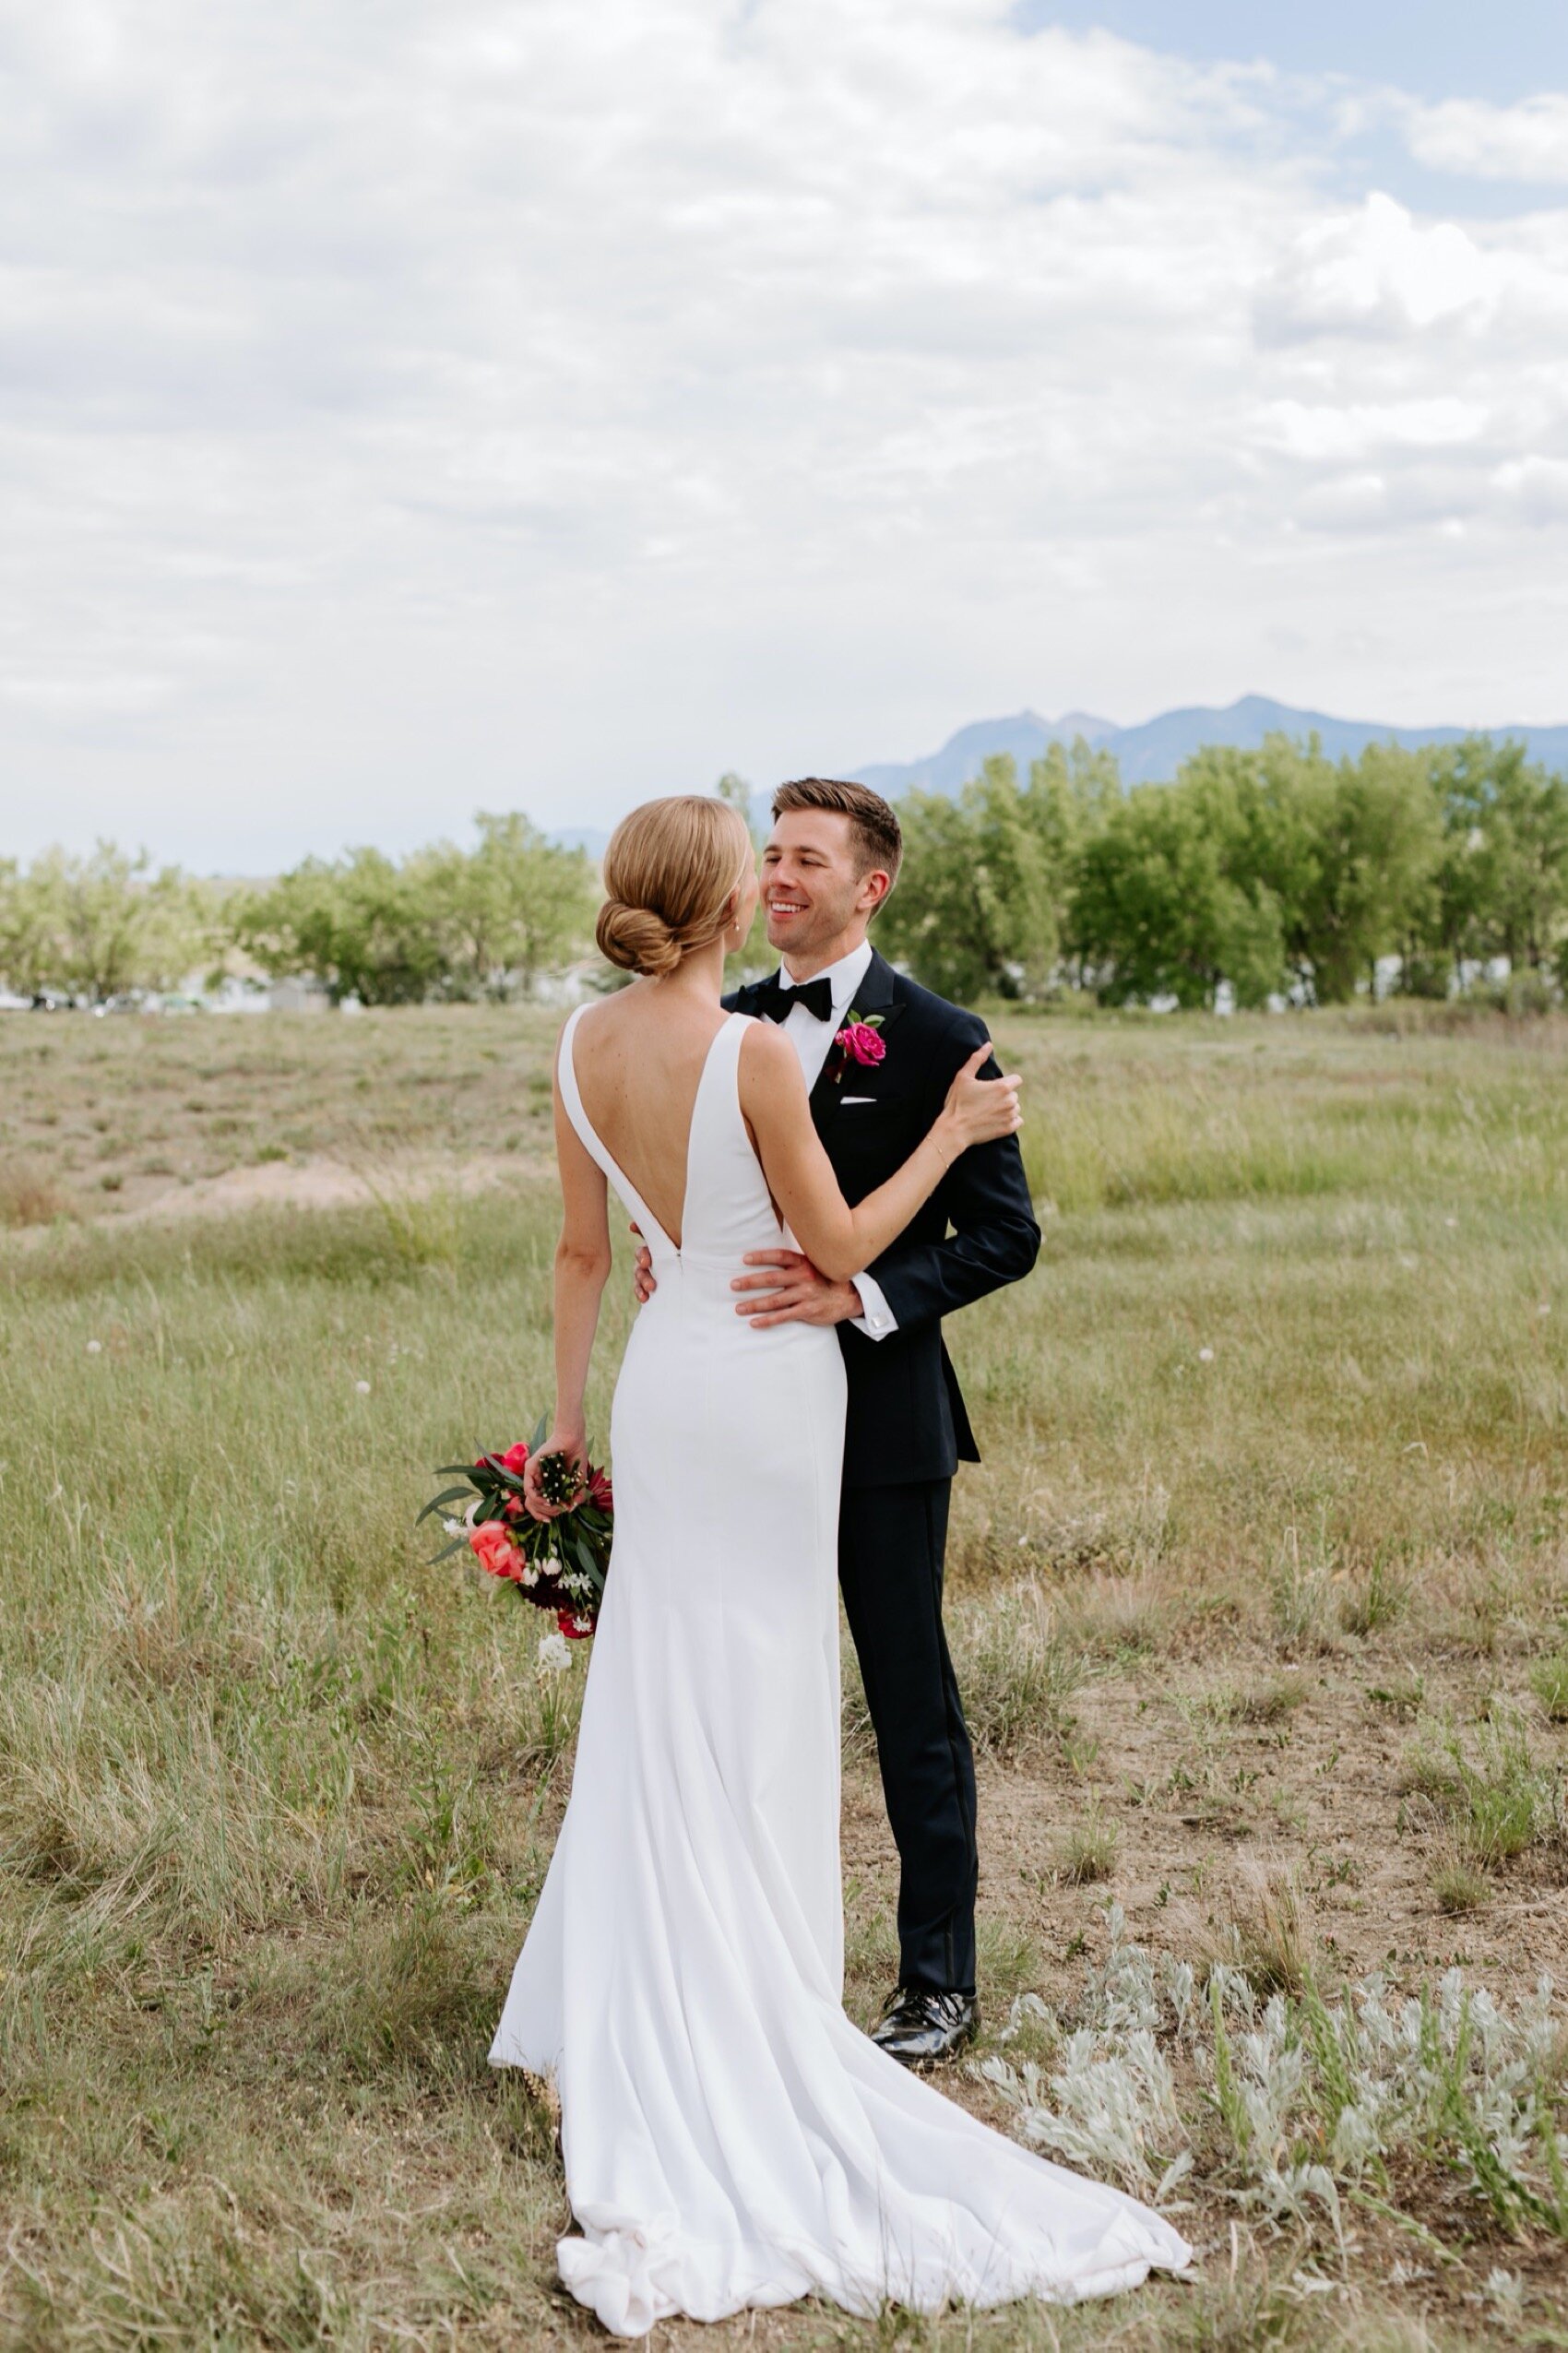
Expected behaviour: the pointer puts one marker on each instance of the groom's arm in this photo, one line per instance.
(985, 1200)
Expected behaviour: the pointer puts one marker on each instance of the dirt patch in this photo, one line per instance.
(318, 1182)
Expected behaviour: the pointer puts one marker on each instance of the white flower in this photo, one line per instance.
(1206, 1356)
(95, 1348)
(363, 1389)
(554, 1654)
(453, 1528)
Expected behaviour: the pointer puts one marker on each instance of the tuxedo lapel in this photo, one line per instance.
(876, 994)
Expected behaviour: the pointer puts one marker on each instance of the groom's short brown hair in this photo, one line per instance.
(874, 828)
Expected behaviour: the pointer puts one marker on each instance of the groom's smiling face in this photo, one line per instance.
(816, 889)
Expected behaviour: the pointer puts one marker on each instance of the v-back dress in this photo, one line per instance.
(731, 2139)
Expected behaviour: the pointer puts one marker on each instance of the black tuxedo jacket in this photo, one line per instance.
(905, 1418)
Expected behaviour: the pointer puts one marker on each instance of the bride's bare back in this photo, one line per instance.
(639, 1060)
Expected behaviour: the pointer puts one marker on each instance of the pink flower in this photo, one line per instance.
(494, 1551)
(514, 1459)
(861, 1042)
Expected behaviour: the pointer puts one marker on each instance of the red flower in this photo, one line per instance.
(575, 1628)
(494, 1548)
(514, 1459)
(514, 1508)
(861, 1042)
(600, 1492)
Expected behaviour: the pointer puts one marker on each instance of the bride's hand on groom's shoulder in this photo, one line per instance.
(978, 1111)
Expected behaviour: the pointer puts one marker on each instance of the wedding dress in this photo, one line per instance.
(731, 2139)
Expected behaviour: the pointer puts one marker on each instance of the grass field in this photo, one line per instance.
(1261, 1600)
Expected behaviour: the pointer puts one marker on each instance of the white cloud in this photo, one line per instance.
(1528, 141)
(408, 410)
(1378, 271)
(1342, 432)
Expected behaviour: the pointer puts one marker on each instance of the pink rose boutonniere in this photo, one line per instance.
(857, 1042)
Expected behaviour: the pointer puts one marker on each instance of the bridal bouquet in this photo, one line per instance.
(557, 1564)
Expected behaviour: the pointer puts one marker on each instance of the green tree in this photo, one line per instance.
(1378, 847)
(1346, 853)
(1157, 912)
(1503, 875)
(101, 925)
(26, 940)
(359, 925)
(504, 913)
(739, 794)
(1072, 790)
(975, 909)
(448, 921)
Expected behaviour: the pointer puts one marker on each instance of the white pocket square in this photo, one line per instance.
(848, 1099)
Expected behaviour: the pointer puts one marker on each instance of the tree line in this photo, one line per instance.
(443, 923)
(1277, 873)
(1274, 874)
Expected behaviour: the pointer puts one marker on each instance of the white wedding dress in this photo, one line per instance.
(729, 2138)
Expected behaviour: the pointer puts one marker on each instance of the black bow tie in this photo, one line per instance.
(776, 1003)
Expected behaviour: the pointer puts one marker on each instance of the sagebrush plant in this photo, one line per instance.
(1301, 2105)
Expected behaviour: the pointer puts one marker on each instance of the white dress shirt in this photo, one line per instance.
(811, 1039)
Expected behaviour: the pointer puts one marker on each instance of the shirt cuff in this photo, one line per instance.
(878, 1318)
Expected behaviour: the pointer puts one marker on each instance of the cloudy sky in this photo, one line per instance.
(411, 406)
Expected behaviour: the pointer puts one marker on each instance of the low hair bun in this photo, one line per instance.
(673, 872)
(636, 939)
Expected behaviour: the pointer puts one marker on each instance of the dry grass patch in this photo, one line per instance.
(30, 1196)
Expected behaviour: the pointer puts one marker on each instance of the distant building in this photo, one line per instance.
(300, 993)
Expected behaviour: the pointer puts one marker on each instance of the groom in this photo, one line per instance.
(830, 861)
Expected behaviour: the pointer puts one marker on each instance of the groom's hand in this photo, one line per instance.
(644, 1281)
(791, 1291)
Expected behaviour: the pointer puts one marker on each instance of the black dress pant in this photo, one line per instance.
(891, 1543)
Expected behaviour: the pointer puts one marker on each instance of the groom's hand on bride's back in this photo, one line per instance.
(787, 1289)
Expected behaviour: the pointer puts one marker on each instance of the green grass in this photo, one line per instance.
(1278, 1411)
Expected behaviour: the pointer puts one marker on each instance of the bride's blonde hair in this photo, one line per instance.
(670, 872)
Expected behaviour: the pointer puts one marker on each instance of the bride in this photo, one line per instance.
(729, 2138)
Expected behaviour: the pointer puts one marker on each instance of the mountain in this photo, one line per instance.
(1026, 736)
(1154, 751)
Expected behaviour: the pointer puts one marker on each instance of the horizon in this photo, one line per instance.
(593, 834)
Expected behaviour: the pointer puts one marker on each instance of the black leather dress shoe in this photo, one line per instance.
(919, 2027)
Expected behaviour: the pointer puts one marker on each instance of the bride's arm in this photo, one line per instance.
(582, 1269)
(837, 1239)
